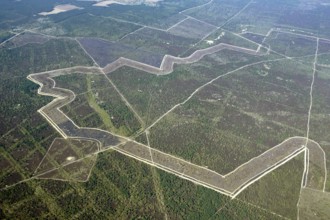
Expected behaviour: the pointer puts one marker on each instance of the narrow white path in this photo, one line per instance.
(9, 39)
(195, 7)
(312, 87)
(306, 157)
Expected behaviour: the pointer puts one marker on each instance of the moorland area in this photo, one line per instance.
(199, 109)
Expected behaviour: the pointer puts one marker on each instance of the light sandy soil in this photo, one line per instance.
(59, 9)
(126, 2)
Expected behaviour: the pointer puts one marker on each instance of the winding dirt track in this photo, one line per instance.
(237, 180)
(52, 113)
(230, 184)
(169, 61)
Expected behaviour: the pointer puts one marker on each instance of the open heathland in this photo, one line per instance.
(86, 25)
(278, 191)
(191, 28)
(171, 109)
(153, 95)
(21, 99)
(120, 187)
(319, 116)
(241, 115)
(98, 104)
(313, 204)
(217, 12)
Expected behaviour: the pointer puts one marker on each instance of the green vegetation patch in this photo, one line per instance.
(192, 28)
(82, 113)
(319, 125)
(64, 151)
(21, 99)
(253, 19)
(119, 188)
(4, 35)
(26, 38)
(157, 41)
(98, 104)
(237, 117)
(314, 204)
(151, 96)
(291, 45)
(25, 135)
(54, 54)
(279, 190)
(324, 59)
(185, 200)
(23, 147)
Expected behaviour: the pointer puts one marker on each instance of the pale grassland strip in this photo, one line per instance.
(326, 171)
(126, 101)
